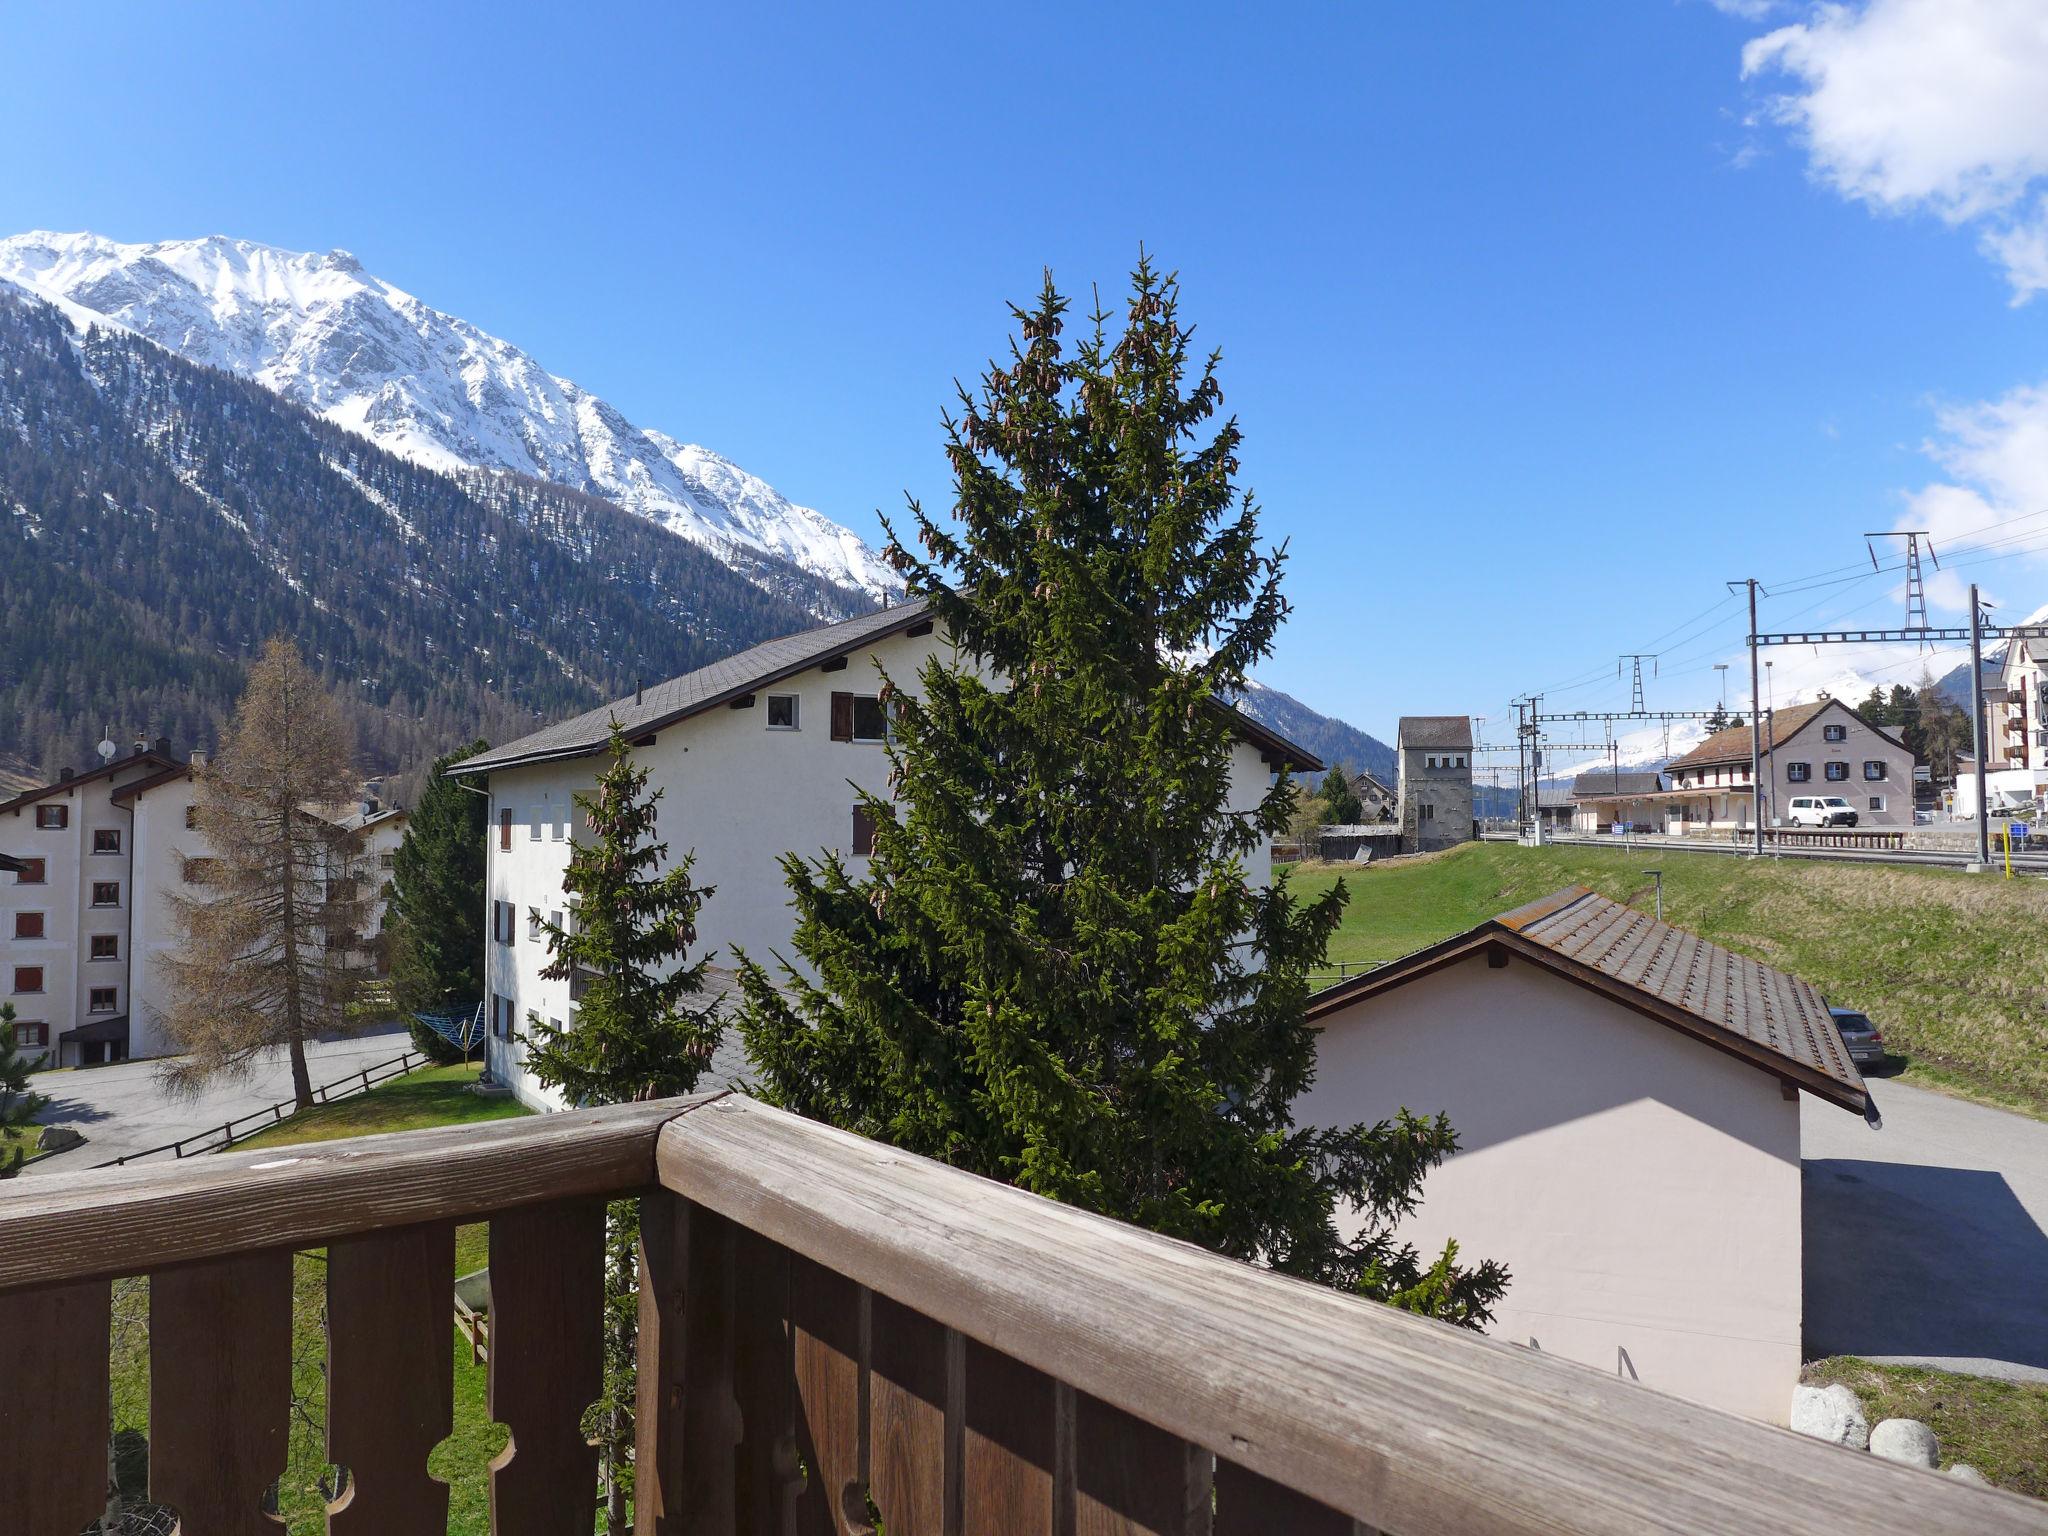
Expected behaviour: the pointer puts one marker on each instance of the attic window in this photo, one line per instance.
(781, 711)
(52, 818)
(1834, 732)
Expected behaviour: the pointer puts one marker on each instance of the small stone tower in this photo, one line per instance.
(1435, 753)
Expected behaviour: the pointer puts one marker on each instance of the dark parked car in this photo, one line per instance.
(1863, 1039)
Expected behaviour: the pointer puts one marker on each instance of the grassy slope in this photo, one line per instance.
(432, 1097)
(1998, 1427)
(1954, 967)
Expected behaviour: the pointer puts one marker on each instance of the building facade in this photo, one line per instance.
(85, 922)
(66, 916)
(1434, 758)
(1628, 1140)
(1823, 748)
(755, 756)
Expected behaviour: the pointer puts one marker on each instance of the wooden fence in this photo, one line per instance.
(832, 1330)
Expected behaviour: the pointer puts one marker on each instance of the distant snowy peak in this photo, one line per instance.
(325, 334)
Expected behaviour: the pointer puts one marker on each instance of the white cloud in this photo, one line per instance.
(1746, 10)
(1936, 106)
(1991, 514)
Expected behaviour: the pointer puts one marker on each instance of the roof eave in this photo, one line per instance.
(1495, 932)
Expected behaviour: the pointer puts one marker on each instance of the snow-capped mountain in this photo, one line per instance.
(421, 383)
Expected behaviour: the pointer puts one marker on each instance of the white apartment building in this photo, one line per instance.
(84, 923)
(66, 916)
(756, 755)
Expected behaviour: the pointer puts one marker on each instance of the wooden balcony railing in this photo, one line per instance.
(836, 1337)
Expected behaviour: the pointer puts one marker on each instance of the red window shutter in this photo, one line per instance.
(863, 831)
(28, 925)
(842, 717)
(505, 830)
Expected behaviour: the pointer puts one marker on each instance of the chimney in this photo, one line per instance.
(163, 746)
(638, 688)
(63, 775)
(198, 759)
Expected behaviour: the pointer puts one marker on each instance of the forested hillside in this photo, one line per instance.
(159, 521)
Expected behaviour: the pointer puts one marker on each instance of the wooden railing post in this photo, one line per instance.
(220, 1388)
(53, 1413)
(547, 1363)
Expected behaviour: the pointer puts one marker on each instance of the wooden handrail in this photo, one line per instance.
(99, 1224)
(1408, 1425)
(827, 1321)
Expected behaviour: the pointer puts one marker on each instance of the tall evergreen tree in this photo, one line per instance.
(18, 1102)
(1054, 970)
(638, 1033)
(1875, 708)
(435, 915)
(1341, 804)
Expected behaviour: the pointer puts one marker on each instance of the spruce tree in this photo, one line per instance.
(435, 915)
(635, 1035)
(19, 1103)
(1054, 969)
(1341, 805)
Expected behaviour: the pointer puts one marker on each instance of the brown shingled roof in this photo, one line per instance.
(1771, 1019)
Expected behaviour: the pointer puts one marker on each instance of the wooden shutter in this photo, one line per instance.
(863, 831)
(842, 717)
(505, 830)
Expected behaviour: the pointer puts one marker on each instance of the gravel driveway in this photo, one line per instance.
(123, 1108)
(1927, 1239)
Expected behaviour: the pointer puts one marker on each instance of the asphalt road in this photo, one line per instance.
(1927, 1239)
(123, 1108)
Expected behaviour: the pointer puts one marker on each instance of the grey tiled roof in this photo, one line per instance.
(1435, 731)
(694, 692)
(1746, 998)
(680, 697)
(1604, 781)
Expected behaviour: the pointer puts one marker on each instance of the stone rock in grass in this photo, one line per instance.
(1834, 1414)
(1969, 1474)
(59, 1138)
(1906, 1440)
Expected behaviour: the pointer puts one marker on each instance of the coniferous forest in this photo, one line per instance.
(159, 521)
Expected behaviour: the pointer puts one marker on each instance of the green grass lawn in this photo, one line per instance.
(1954, 967)
(432, 1096)
(1998, 1427)
(428, 1097)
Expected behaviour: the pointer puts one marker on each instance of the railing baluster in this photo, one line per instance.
(547, 1363)
(1250, 1505)
(1011, 1446)
(764, 1461)
(53, 1410)
(913, 1445)
(825, 1321)
(664, 1263)
(1134, 1479)
(390, 1395)
(220, 1390)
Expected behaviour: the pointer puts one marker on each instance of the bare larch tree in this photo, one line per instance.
(275, 909)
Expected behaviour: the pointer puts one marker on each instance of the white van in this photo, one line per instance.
(1821, 811)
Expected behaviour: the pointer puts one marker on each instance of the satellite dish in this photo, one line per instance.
(107, 749)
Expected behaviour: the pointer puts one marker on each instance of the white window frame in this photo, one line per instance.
(880, 709)
(795, 712)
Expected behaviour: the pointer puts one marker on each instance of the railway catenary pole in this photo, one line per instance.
(1756, 741)
(1978, 744)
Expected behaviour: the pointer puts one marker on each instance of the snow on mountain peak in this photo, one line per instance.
(324, 333)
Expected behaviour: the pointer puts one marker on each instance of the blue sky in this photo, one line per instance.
(1542, 321)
